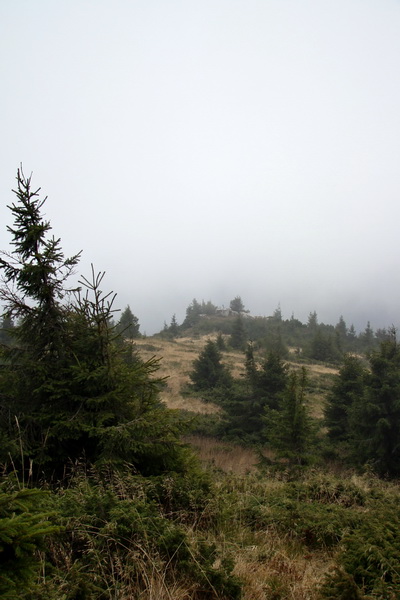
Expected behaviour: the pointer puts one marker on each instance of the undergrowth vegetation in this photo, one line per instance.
(277, 482)
(279, 535)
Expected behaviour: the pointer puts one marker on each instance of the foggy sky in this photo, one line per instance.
(213, 148)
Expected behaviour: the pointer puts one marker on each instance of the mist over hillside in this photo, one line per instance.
(357, 310)
(213, 149)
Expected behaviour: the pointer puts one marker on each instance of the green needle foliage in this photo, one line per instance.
(348, 388)
(377, 415)
(261, 390)
(35, 274)
(239, 335)
(363, 410)
(76, 394)
(128, 324)
(367, 564)
(24, 525)
(208, 370)
(289, 429)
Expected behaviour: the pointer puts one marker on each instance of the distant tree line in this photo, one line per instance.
(312, 340)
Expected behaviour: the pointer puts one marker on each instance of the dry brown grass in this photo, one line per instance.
(273, 568)
(270, 565)
(313, 369)
(225, 456)
(177, 357)
(317, 406)
(322, 369)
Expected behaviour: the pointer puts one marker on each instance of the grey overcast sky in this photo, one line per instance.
(213, 148)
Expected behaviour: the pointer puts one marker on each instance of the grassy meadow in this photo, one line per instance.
(176, 359)
(236, 525)
(302, 536)
(119, 480)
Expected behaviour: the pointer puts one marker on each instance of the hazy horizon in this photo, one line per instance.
(213, 149)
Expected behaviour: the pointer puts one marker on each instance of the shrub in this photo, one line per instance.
(121, 529)
(24, 526)
(317, 513)
(370, 554)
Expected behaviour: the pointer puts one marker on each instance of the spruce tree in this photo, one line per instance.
(6, 330)
(128, 324)
(265, 385)
(220, 341)
(272, 380)
(351, 334)
(277, 314)
(252, 375)
(312, 322)
(347, 391)
(377, 414)
(24, 526)
(341, 334)
(237, 305)
(66, 384)
(35, 275)
(239, 336)
(341, 327)
(174, 327)
(208, 308)
(322, 347)
(351, 339)
(367, 338)
(193, 313)
(208, 370)
(34, 292)
(289, 429)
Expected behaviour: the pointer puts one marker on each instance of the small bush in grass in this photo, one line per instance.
(339, 585)
(25, 524)
(317, 512)
(369, 558)
(121, 530)
(315, 525)
(329, 490)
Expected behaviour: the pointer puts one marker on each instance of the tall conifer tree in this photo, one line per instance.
(66, 383)
(377, 414)
(289, 429)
